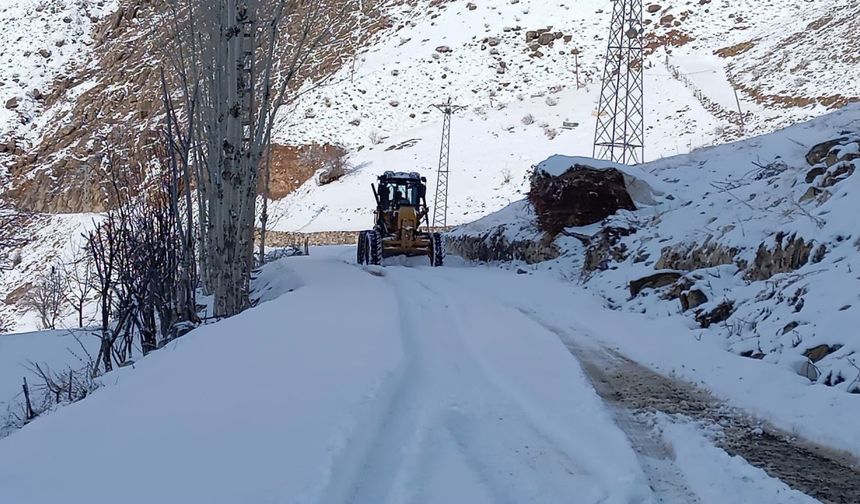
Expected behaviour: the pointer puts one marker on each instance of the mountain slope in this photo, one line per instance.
(381, 107)
(753, 242)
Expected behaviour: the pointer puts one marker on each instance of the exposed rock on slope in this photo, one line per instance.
(580, 196)
(114, 105)
(739, 249)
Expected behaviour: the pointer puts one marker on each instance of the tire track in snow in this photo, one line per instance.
(540, 461)
(655, 457)
(364, 470)
(441, 393)
(803, 466)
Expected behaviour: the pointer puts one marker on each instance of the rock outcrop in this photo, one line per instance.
(581, 196)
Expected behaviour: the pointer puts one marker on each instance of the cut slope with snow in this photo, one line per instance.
(764, 240)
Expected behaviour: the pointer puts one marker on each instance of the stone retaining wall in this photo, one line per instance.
(285, 239)
(496, 247)
(320, 238)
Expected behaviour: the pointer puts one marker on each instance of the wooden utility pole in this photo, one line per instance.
(576, 53)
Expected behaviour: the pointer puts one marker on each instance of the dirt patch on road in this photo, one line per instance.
(826, 475)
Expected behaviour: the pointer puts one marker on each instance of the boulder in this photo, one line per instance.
(655, 281)
(578, 197)
(790, 327)
(819, 153)
(810, 194)
(814, 173)
(12, 103)
(692, 299)
(719, 314)
(838, 174)
(819, 352)
(546, 39)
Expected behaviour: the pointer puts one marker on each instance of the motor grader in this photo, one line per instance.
(401, 223)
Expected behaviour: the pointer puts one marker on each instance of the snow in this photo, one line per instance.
(447, 396)
(62, 27)
(784, 388)
(57, 350)
(716, 477)
(492, 149)
(429, 384)
(667, 346)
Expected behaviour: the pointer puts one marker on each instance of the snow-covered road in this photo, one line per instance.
(374, 385)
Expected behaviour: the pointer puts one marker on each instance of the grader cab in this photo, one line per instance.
(401, 223)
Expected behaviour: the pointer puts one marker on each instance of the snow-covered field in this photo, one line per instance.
(53, 350)
(430, 385)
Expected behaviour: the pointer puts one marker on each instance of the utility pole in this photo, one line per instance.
(740, 111)
(576, 53)
(620, 132)
(440, 206)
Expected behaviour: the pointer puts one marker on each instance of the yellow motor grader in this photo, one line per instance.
(401, 222)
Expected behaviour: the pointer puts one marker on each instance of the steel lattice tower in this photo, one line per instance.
(440, 206)
(620, 132)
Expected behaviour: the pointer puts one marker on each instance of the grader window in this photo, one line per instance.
(400, 193)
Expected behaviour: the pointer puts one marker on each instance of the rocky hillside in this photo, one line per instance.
(755, 242)
(94, 74)
(110, 101)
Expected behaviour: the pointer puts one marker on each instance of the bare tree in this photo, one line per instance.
(80, 281)
(47, 297)
(242, 61)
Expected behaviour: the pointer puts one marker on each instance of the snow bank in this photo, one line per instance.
(668, 346)
(716, 477)
(56, 350)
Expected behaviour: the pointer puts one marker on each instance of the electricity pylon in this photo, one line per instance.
(440, 206)
(620, 132)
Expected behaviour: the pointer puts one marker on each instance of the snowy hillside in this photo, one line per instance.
(42, 41)
(380, 108)
(757, 238)
(518, 94)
